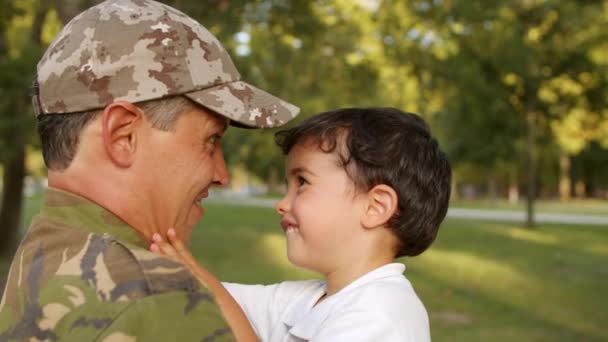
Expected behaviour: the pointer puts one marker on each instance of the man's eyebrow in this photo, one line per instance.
(220, 129)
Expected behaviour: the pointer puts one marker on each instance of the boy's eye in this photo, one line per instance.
(301, 181)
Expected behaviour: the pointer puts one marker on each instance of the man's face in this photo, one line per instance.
(180, 166)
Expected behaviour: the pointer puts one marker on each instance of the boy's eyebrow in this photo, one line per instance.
(300, 169)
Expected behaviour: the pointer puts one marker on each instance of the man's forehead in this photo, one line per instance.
(213, 120)
(222, 122)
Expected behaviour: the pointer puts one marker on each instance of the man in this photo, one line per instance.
(133, 98)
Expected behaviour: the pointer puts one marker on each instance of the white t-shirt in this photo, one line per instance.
(379, 306)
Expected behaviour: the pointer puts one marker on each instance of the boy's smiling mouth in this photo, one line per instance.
(289, 226)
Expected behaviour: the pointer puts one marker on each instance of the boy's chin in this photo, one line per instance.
(299, 262)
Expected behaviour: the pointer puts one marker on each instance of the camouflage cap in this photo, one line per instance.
(139, 50)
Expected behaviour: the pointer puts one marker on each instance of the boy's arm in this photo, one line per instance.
(230, 308)
(259, 304)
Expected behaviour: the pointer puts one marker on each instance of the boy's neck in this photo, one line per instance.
(343, 275)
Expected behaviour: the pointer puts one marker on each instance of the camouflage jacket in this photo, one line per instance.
(82, 274)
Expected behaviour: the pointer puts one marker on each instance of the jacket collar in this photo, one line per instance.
(86, 215)
(161, 273)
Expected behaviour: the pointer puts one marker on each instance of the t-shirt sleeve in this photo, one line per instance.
(173, 316)
(265, 305)
(259, 302)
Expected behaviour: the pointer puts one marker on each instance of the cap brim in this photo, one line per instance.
(245, 105)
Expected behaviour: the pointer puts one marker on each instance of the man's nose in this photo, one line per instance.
(220, 175)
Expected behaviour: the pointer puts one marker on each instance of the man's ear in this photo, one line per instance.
(381, 205)
(120, 122)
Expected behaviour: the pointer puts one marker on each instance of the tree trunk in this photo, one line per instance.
(14, 160)
(513, 187)
(273, 180)
(68, 9)
(492, 188)
(580, 189)
(531, 168)
(36, 33)
(12, 194)
(565, 182)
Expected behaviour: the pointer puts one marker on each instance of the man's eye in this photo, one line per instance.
(214, 139)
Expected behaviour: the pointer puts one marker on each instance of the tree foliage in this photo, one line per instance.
(514, 78)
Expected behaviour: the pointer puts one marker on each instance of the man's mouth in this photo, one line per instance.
(204, 194)
(198, 201)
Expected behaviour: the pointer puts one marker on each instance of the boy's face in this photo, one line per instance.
(321, 210)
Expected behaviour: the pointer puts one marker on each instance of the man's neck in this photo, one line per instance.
(111, 194)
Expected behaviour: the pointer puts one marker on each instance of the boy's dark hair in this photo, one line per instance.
(386, 146)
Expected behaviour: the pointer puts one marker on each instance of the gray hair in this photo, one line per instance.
(60, 133)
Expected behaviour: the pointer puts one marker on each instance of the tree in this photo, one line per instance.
(493, 63)
(21, 46)
(16, 68)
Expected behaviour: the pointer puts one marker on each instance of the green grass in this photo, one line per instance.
(512, 284)
(480, 281)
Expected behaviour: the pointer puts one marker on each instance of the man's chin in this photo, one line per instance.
(186, 233)
(186, 236)
(196, 214)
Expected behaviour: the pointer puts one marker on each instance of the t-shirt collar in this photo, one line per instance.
(305, 318)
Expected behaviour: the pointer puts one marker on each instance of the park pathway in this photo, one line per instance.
(462, 213)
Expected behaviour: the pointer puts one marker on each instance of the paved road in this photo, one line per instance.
(475, 214)
(520, 216)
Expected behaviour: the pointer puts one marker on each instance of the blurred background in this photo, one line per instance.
(515, 91)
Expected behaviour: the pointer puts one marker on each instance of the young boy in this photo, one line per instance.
(364, 186)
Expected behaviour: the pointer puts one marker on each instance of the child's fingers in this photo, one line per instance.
(154, 248)
(164, 247)
(180, 248)
(176, 242)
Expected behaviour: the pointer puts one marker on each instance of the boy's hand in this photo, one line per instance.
(235, 316)
(176, 250)
(162, 247)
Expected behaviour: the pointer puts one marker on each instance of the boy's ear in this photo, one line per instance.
(380, 206)
(120, 121)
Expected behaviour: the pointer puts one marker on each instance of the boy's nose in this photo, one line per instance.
(282, 206)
